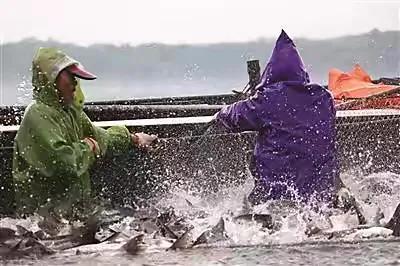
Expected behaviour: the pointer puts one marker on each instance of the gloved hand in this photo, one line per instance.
(143, 140)
(94, 146)
(214, 119)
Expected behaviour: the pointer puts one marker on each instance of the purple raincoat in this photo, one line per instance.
(294, 157)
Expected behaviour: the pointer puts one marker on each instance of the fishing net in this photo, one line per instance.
(201, 161)
(206, 163)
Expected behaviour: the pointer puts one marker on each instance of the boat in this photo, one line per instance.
(193, 154)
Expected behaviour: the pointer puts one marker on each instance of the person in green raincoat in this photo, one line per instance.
(56, 143)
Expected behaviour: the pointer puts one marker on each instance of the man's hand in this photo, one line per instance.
(94, 146)
(143, 140)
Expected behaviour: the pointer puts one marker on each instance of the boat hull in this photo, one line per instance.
(206, 161)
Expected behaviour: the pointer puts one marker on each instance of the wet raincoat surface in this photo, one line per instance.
(294, 156)
(51, 162)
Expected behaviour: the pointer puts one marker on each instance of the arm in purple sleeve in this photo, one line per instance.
(245, 115)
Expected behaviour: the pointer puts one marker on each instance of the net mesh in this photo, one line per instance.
(365, 144)
(206, 163)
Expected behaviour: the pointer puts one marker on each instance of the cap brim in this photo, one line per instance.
(78, 71)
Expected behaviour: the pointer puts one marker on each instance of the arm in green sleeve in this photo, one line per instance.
(115, 140)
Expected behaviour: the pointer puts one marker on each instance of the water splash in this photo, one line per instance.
(24, 91)
(204, 212)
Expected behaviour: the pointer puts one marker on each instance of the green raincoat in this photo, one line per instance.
(51, 162)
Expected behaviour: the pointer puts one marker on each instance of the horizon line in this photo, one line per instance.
(150, 43)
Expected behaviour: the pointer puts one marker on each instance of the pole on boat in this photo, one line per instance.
(253, 69)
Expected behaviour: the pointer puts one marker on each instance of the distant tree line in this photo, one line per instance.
(159, 69)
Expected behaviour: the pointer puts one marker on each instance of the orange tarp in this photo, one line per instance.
(356, 84)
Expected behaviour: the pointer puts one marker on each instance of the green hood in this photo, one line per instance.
(46, 65)
(51, 161)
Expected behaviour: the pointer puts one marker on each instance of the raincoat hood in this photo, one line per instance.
(285, 64)
(46, 65)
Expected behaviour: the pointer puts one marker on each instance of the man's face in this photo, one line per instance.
(66, 84)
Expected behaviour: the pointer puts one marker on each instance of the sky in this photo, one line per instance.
(135, 22)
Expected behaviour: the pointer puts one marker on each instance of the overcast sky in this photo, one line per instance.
(190, 21)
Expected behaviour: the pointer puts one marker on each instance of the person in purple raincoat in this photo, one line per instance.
(294, 156)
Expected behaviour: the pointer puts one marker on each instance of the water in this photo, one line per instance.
(368, 253)
(322, 254)
(250, 244)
